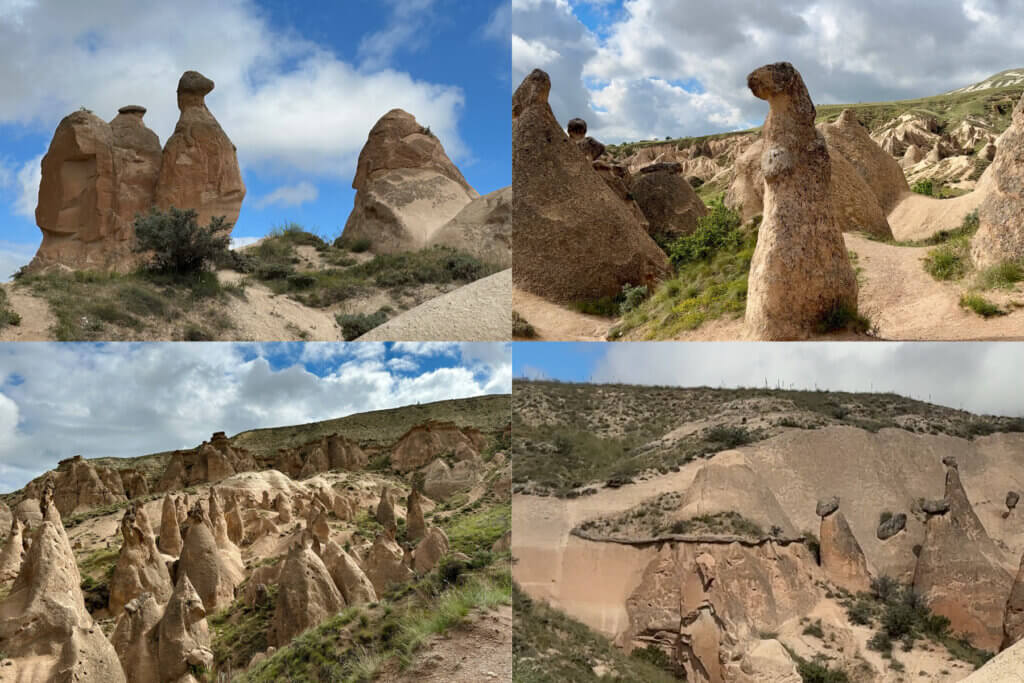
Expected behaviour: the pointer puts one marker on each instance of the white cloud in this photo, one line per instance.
(288, 104)
(499, 25)
(289, 195)
(132, 399)
(406, 30)
(240, 242)
(26, 185)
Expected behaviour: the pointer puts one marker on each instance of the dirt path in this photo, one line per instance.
(265, 316)
(477, 651)
(906, 303)
(478, 311)
(36, 318)
(558, 323)
(917, 217)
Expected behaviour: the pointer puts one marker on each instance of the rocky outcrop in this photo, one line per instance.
(170, 533)
(441, 482)
(889, 527)
(415, 525)
(1000, 235)
(424, 442)
(841, 556)
(79, 486)
(406, 186)
(958, 572)
(769, 661)
(384, 565)
(482, 228)
(1013, 616)
(136, 640)
(591, 148)
(201, 560)
(334, 452)
(306, 595)
(873, 164)
(667, 200)
(199, 168)
(45, 628)
(575, 240)
(353, 583)
(800, 270)
(233, 520)
(140, 567)
(13, 552)
(210, 462)
(430, 550)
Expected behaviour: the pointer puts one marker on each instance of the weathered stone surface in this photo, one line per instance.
(424, 442)
(13, 553)
(430, 550)
(199, 168)
(209, 462)
(768, 661)
(574, 239)
(935, 507)
(667, 200)
(1000, 235)
(441, 482)
(406, 186)
(1013, 616)
(136, 640)
(79, 486)
(350, 579)
(1012, 498)
(140, 567)
(415, 525)
(877, 167)
(385, 514)
(384, 565)
(482, 228)
(826, 506)
(800, 270)
(137, 159)
(306, 595)
(170, 532)
(841, 556)
(891, 526)
(202, 561)
(183, 634)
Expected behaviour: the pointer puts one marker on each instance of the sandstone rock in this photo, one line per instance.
(235, 525)
(202, 561)
(855, 205)
(283, 507)
(344, 454)
(183, 635)
(210, 462)
(841, 556)
(79, 486)
(667, 200)
(384, 565)
(988, 152)
(1013, 616)
(316, 522)
(905, 130)
(1000, 235)
(199, 168)
(134, 483)
(877, 167)
(769, 661)
(424, 442)
(912, 156)
(430, 550)
(746, 192)
(441, 482)
(415, 525)
(891, 526)
(306, 595)
(170, 532)
(44, 626)
(800, 270)
(255, 591)
(140, 567)
(700, 645)
(826, 506)
(482, 228)
(136, 640)
(13, 552)
(574, 239)
(355, 587)
(591, 148)
(137, 159)
(406, 186)
(385, 514)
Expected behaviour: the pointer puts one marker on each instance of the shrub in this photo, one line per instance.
(7, 315)
(980, 305)
(843, 316)
(814, 629)
(860, 612)
(176, 243)
(1000, 276)
(885, 587)
(925, 187)
(357, 324)
(719, 229)
(949, 261)
(729, 437)
(356, 246)
(880, 642)
(522, 328)
(632, 297)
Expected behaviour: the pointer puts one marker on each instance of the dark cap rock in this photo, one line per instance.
(194, 83)
(826, 506)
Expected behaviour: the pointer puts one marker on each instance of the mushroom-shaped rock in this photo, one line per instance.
(140, 566)
(574, 239)
(1000, 235)
(667, 200)
(800, 271)
(200, 169)
(137, 160)
(170, 532)
(415, 525)
(384, 564)
(353, 583)
(183, 635)
(201, 559)
(430, 550)
(841, 556)
(385, 514)
(306, 594)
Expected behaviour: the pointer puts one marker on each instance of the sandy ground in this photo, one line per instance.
(1006, 667)
(558, 323)
(265, 316)
(904, 302)
(36, 318)
(476, 651)
(918, 217)
(477, 312)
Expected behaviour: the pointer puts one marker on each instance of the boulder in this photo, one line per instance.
(140, 566)
(800, 270)
(430, 550)
(306, 595)
(482, 228)
(415, 525)
(406, 186)
(667, 200)
(384, 565)
(826, 506)
(891, 526)
(199, 169)
(316, 523)
(841, 556)
(1000, 235)
(988, 152)
(13, 552)
(170, 532)
(355, 587)
(575, 240)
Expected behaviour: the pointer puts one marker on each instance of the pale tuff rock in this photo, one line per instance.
(140, 566)
(283, 507)
(316, 523)
(385, 514)
(575, 239)
(202, 560)
(877, 167)
(79, 485)
(1013, 617)
(13, 552)
(667, 200)
(355, 587)
(424, 442)
(430, 550)
(699, 648)
(384, 564)
(800, 270)
(482, 228)
(415, 525)
(746, 192)
(909, 129)
(306, 595)
(912, 156)
(136, 640)
(212, 461)
(1000, 235)
(440, 482)
(333, 452)
(841, 556)
(769, 661)
(406, 186)
(137, 159)
(235, 525)
(44, 626)
(199, 169)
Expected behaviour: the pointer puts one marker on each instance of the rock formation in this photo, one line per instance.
(136, 640)
(385, 514)
(140, 567)
(1000, 235)
(355, 587)
(667, 200)
(316, 523)
(384, 565)
(841, 556)
(199, 169)
(1013, 617)
(283, 507)
(306, 595)
(79, 485)
(482, 228)
(13, 552)
(430, 550)
(590, 147)
(44, 626)
(209, 462)
(873, 164)
(887, 528)
(406, 186)
(170, 532)
(415, 525)
(441, 482)
(912, 156)
(202, 561)
(574, 239)
(800, 271)
(235, 525)
(426, 441)
(333, 452)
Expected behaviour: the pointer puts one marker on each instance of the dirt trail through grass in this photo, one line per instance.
(558, 323)
(36, 318)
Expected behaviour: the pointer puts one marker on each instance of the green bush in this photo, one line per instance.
(632, 297)
(925, 187)
(176, 243)
(521, 327)
(980, 305)
(357, 324)
(949, 261)
(356, 246)
(719, 229)
(7, 315)
(843, 317)
(728, 437)
(1000, 276)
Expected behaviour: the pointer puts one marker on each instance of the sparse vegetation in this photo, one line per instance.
(239, 631)
(174, 242)
(521, 327)
(843, 317)
(355, 325)
(8, 316)
(980, 305)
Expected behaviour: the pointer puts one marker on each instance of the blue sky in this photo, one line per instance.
(124, 400)
(298, 87)
(974, 376)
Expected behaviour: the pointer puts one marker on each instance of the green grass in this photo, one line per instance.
(843, 317)
(980, 305)
(355, 325)
(238, 631)
(1003, 275)
(951, 260)
(478, 530)
(8, 316)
